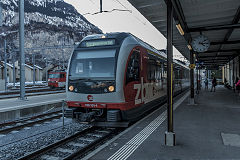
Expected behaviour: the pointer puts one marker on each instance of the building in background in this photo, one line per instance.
(2, 82)
(231, 71)
(9, 71)
(28, 72)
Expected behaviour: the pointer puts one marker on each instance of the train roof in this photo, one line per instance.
(58, 71)
(116, 35)
(120, 36)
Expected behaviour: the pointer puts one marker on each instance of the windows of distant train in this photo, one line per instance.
(54, 76)
(133, 68)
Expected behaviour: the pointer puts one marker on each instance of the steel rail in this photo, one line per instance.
(57, 144)
(30, 91)
(5, 130)
(32, 94)
(81, 152)
(29, 118)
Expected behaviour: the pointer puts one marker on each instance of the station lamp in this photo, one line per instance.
(189, 47)
(180, 30)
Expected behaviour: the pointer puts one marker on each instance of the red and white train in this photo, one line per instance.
(57, 79)
(116, 77)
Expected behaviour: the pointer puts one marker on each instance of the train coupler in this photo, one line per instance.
(85, 117)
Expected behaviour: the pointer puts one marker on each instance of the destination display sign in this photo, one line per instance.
(97, 43)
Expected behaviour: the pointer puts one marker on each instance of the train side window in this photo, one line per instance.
(151, 69)
(133, 69)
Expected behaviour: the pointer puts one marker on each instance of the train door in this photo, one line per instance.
(132, 77)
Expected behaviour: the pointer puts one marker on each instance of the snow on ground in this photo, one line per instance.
(37, 83)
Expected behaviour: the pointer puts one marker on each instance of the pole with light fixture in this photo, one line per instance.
(191, 100)
(101, 6)
(21, 46)
(189, 47)
(5, 64)
(34, 69)
(169, 134)
(46, 74)
(14, 69)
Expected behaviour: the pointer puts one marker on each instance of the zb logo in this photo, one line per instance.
(146, 91)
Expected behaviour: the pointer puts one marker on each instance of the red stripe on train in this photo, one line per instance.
(121, 106)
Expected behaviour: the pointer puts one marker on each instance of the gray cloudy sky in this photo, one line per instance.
(121, 21)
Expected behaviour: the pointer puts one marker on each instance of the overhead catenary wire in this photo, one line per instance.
(108, 11)
(144, 23)
(115, 9)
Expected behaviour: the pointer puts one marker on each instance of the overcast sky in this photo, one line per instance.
(120, 21)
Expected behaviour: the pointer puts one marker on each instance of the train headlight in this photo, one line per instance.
(71, 88)
(111, 88)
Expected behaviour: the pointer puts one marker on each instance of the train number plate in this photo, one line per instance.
(95, 105)
(91, 105)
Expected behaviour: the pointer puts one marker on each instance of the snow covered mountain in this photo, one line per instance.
(47, 23)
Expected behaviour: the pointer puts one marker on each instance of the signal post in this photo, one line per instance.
(191, 66)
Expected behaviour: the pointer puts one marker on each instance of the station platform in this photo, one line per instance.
(15, 108)
(208, 130)
(31, 101)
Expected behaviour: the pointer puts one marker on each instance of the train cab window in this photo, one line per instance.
(133, 69)
(61, 75)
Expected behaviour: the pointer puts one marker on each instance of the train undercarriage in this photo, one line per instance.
(97, 117)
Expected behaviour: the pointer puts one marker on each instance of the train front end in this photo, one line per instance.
(93, 93)
(57, 79)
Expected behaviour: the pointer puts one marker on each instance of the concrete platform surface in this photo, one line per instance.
(208, 130)
(31, 101)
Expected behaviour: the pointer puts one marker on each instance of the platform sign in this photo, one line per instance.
(192, 66)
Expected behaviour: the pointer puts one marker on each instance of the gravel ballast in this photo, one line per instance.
(26, 141)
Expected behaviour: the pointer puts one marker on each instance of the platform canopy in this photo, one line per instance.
(216, 19)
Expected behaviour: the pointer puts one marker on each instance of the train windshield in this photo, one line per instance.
(98, 64)
(54, 75)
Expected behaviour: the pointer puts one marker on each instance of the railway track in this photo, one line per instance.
(30, 121)
(17, 91)
(30, 92)
(74, 146)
